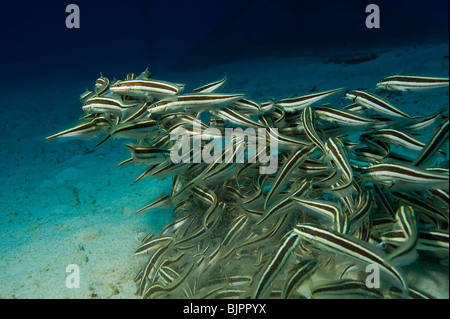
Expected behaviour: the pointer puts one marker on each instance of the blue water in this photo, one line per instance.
(63, 201)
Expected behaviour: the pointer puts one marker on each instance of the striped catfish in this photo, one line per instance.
(284, 204)
(423, 123)
(158, 288)
(275, 264)
(376, 103)
(286, 142)
(162, 200)
(366, 202)
(342, 117)
(109, 104)
(208, 196)
(247, 107)
(378, 146)
(137, 114)
(235, 117)
(425, 207)
(428, 239)
(338, 153)
(345, 288)
(406, 253)
(147, 88)
(94, 128)
(308, 120)
(326, 210)
(440, 136)
(294, 160)
(149, 269)
(434, 240)
(299, 103)
(147, 154)
(237, 228)
(210, 87)
(403, 176)
(397, 137)
(101, 85)
(194, 102)
(137, 129)
(351, 247)
(303, 271)
(157, 242)
(267, 107)
(411, 83)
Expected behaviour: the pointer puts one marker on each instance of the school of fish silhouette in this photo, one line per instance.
(329, 190)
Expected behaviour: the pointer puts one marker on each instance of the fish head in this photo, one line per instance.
(351, 95)
(382, 85)
(120, 87)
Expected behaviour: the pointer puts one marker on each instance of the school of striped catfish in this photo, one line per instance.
(359, 185)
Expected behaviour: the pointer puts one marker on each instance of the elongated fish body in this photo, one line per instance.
(308, 120)
(147, 155)
(346, 187)
(349, 246)
(268, 106)
(108, 104)
(423, 123)
(236, 118)
(276, 264)
(301, 102)
(399, 138)
(247, 107)
(138, 129)
(345, 288)
(146, 88)
(440, 136)
(402, 175)
(194, 102)
(304, 270)
(328, 210)
(429, 240)
(375, 102)
(411, 83)
(294, 160)
(94, 128)
(343, 117)
(336, 150)
(406, 253)
(210, 87)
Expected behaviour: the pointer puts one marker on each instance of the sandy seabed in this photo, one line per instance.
(66, 202)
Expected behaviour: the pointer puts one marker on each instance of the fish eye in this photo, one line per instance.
(392, 235)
